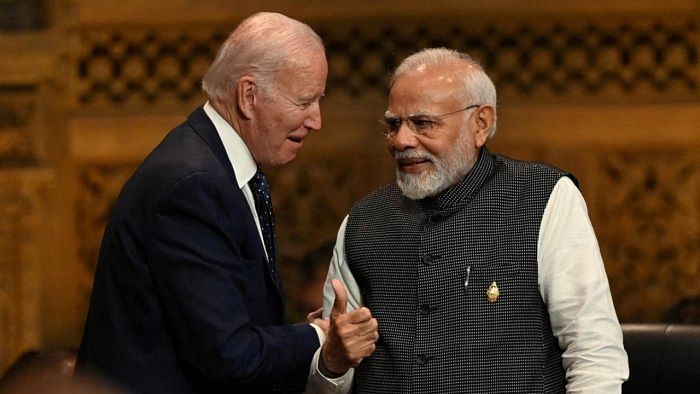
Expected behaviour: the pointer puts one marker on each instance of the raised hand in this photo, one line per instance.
(351, 335)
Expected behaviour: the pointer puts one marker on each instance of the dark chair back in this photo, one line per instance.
(663, 358)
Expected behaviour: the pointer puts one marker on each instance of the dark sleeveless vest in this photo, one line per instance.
(424, 268)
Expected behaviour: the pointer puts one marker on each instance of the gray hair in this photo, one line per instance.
(478, 87)
(261, 46)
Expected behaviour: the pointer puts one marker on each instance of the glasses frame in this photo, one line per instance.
(386, 128)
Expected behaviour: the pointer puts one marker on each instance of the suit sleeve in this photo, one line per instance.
(203, 280)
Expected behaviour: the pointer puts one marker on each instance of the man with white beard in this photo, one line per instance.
(483, 272)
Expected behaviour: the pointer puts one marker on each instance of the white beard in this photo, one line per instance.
(447, 170)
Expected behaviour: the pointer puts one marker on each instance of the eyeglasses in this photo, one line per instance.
(419, 123)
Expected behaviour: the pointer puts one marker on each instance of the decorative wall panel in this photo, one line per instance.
(22, 211)
(16, 124)
(311, 197)
(589, 61)
(98, 188)
(21, 14)
(648, 211)
(164, 67)
(525, 59)
(624, 58)
(608, 90)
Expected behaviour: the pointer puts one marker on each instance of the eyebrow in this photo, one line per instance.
(420, 113)
(389, 114)
(312, 97)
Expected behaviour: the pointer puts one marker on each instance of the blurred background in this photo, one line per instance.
(609, 90)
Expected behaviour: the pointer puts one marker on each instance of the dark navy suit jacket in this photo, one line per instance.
(183, 300)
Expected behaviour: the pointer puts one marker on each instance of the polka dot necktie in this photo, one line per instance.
(263, 204)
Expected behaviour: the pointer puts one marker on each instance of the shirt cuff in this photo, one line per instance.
(318, 383)
(319, 332)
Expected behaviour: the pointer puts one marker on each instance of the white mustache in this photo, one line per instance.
(413, 154)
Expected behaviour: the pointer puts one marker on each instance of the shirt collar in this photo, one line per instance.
(239, 155)
(460, 193)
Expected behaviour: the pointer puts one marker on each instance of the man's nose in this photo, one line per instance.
(404, 138)
(313, 120)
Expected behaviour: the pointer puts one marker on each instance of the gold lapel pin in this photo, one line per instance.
(492, 293)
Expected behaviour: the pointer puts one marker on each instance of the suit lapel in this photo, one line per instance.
(202, 125)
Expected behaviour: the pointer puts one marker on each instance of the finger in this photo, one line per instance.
(340, 304)
(358, 316)
(359, 329)
(367, 331)
(314, 315)
(324, 324)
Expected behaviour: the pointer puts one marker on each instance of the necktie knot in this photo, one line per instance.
(259, 183)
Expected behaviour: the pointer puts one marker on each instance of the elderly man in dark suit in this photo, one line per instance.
(187, 296)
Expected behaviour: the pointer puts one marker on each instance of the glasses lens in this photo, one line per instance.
(390, 126)
(421, 124)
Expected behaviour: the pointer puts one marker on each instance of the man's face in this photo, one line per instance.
(430, 163)
(289, 111)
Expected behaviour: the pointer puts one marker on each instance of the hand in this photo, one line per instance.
(315, 317)
(351, 336)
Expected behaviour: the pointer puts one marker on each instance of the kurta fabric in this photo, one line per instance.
(424, 267)
(263, 205)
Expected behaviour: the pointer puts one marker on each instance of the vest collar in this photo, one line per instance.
(459, 194)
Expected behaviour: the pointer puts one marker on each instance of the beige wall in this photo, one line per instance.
(609, 90)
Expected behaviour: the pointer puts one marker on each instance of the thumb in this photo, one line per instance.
(340, 304)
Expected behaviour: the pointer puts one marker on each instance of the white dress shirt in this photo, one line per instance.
(573, 285)
(244, 168)
(241, 159)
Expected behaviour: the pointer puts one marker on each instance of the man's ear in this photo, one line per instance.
(485, 118)
(246, 90)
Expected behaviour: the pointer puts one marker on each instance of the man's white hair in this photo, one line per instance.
(478, 87)
(261, 46)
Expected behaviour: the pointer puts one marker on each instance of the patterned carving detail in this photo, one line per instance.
(21, 215)
(98, 188)
(144, 67)
(311, 197)
(556, 59)
(18, 15)
(16, 119)
(650, 232)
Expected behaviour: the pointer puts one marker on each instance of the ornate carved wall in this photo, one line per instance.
(607, 90)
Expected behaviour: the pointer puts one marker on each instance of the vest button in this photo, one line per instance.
(422, 359)
(425, 309)
(427, 259)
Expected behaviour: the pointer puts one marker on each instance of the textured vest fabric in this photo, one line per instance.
(424, 267)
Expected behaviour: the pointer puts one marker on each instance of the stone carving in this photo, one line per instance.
(649, 233)
(98, 188)
(21, 218)
(622, 58)
(613, 60)
(16, 119)
(311, 197)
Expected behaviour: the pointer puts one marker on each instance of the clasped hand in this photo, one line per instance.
(350, 336)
